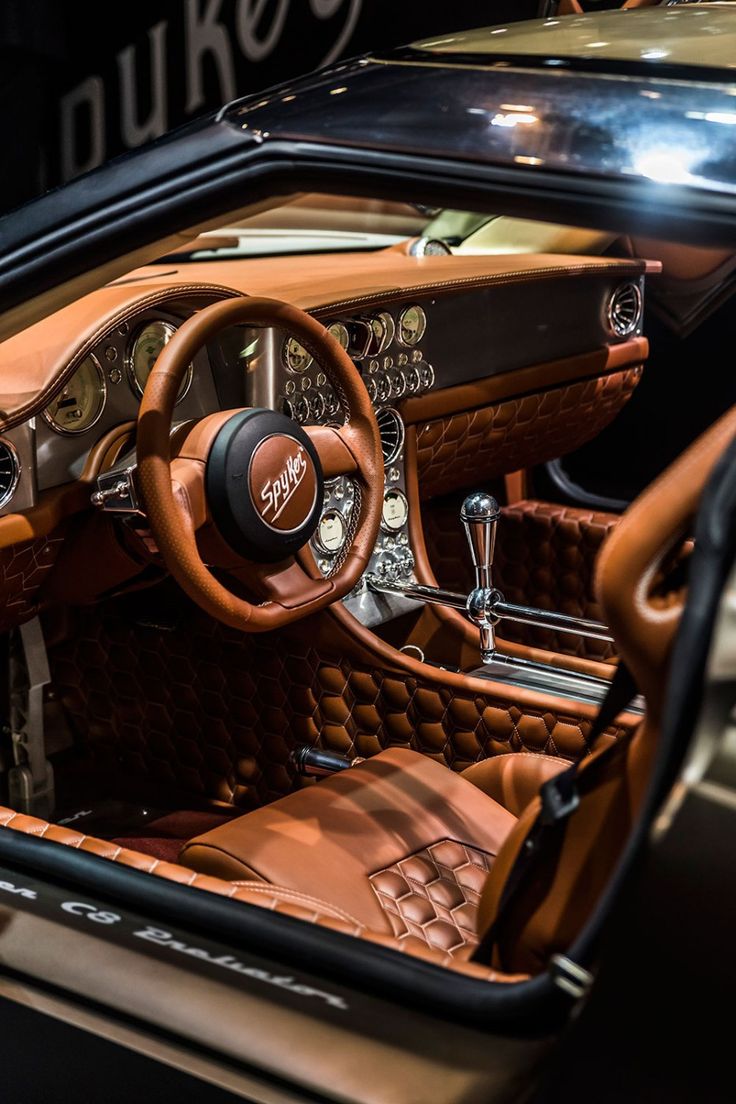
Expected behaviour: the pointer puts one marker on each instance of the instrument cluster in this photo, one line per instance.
(81, 403)
(385, 349)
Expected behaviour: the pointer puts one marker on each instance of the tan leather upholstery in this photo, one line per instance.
(399, 842)
(279, 899)
(350, 834)
(310, 840)
(547, 915)
(514, 780)
(454, 452)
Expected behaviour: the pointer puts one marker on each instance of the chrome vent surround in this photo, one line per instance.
(391, 428)
(9, 471)
(623, 312)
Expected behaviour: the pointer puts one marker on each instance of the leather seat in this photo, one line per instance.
(403, 843)
(399, 842)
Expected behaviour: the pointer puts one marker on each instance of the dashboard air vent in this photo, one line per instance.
(391, 429)
(624, 309)
(9, 471)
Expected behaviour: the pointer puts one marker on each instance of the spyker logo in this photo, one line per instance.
(277, 492)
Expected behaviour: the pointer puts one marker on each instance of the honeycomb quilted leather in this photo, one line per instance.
(275, 898)
(478, 444)
(545, 557)
(23, 568)
(218, 712)
(433, 895)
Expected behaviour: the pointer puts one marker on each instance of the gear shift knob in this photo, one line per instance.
(479, 514)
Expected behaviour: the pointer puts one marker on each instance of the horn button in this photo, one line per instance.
(264, 485)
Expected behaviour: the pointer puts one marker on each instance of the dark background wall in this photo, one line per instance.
(82, 80)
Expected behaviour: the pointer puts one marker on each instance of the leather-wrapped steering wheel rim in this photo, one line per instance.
(292, 590)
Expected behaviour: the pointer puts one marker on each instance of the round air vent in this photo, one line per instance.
(391, 428)
(624, 309)
(9, 471)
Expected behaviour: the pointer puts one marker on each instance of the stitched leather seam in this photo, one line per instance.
(502, 278)
(152, 299)
(299, 898)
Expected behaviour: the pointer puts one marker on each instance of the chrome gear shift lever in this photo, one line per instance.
(479, 514)
(485, 606)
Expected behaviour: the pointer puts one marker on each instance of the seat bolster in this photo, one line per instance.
(514, 779)
(212, 860)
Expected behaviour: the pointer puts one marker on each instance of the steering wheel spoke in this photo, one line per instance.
(250, 482)
(336, 448)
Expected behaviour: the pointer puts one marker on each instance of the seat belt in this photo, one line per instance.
(559, 800)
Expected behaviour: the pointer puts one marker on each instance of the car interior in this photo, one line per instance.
(322, 538)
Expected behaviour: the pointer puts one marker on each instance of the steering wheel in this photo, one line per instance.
(256, 478)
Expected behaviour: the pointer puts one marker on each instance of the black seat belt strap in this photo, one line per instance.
(559, 797)
(559, 794)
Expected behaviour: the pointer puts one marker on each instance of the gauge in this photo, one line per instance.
(398, 384)
(395, 511)
(145, 350)
(426, 375)
(412, 324)
(361, 338)
(80, 404)
(413, 380)
(383, 387)
(384, 330)
(330, 535)
(340, 333)
(316, 405)
(295, 356)
(9, 471)
(332, 403)
(296, 408)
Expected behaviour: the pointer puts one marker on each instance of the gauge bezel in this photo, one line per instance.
(135, 386)
(399, 494)
(285, 359)
(6, 496)
(343, 345)
(62, 430)
(316, 539)
(422, 331)
(389, 331)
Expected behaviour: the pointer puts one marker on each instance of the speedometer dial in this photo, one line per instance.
(80, 404)
(145, 351)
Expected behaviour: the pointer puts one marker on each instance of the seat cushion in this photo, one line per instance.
(399, 842)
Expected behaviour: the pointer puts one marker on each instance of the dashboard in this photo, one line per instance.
(428, 336)
(106, 390)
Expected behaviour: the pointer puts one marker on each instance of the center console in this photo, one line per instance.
(403, 355)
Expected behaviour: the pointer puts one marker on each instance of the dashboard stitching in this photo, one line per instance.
(38, 403)
(396, 294)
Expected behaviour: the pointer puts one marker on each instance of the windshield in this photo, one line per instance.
(317, 223)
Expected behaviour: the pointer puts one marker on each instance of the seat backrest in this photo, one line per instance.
(550, 907)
